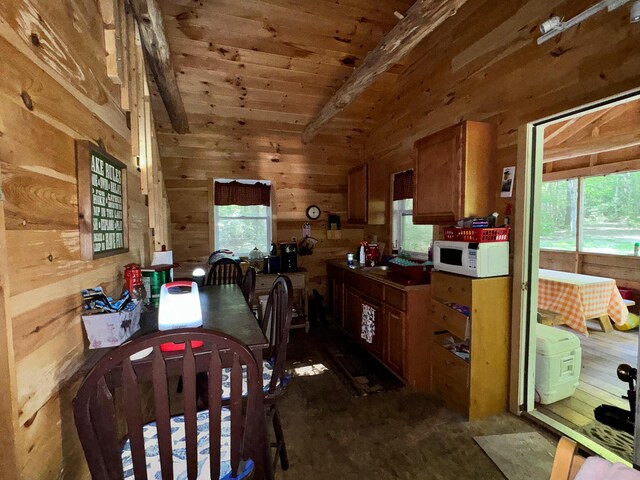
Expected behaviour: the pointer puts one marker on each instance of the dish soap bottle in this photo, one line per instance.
(362, 257)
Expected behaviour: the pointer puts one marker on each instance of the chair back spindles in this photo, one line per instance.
(215, 414)
(163, 414)
(249, 285)
(133, 414)
(225, 271)
(190, 410)
(103, 412)
(276, 325)
(96, 404)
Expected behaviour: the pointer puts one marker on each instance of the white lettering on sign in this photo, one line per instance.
(107, 205)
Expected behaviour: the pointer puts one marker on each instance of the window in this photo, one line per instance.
(411, 238)
(241, 228)
(606, 220)
(558, 215)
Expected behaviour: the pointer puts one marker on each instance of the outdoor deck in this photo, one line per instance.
(601, 355)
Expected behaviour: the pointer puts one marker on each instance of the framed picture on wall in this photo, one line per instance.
(102, 202)
(508, 177)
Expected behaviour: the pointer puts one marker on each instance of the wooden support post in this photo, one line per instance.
(422, 18)
(156, 50)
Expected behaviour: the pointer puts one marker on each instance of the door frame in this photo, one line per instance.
(526, 260)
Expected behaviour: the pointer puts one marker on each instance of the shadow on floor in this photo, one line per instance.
(393, 434)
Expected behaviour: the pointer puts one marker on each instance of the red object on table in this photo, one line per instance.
(175, 347)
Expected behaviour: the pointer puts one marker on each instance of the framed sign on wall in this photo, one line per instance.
(102, 202)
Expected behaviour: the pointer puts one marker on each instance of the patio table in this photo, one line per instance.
(580, 297)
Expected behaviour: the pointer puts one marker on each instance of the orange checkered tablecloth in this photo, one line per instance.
(579, 297)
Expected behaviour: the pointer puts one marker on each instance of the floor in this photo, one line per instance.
(601, 355)
(396, 434)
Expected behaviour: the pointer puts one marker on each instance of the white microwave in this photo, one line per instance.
(471, 259)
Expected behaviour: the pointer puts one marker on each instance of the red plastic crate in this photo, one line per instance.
(479, 235)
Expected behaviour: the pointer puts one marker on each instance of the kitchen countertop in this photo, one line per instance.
(376, 273)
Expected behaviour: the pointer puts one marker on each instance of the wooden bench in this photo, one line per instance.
(547, 317)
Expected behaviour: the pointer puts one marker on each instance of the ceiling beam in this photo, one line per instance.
(156, 51)
(422, 18)
(594, 145)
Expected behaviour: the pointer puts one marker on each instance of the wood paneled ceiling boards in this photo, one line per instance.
(420, 20)
(156, 50)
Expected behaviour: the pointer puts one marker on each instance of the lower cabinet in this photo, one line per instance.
(390, 321)
(394, 349)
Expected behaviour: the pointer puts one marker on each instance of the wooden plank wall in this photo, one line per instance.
(306, 175)
(484, 64)
(54, 89)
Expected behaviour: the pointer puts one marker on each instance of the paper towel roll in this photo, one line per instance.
(163, 258)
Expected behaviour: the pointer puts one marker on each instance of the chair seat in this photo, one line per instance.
(267, 372)
(178, 437)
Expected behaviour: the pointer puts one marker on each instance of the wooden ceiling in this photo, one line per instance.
(252, 73)
(608, 135)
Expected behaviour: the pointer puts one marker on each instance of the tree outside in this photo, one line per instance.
(610, 213)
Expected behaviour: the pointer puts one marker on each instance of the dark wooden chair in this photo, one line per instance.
(225, 271)
(276, 325)
(110, 418)
(249, 286)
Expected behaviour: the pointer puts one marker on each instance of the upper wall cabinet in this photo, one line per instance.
(357, 194)
(453, 169)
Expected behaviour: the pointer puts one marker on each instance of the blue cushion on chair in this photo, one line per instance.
(178, 438)
(267, 372)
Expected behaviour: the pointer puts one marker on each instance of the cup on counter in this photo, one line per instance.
(350, 259)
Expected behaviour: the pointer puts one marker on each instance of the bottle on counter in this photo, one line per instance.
(636, 249)
(362, 259)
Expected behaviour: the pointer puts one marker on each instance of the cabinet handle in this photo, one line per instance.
(450, 289)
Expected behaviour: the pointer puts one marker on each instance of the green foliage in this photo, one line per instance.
(610, 217)
(241, 228)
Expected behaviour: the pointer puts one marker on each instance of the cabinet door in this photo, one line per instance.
(439, 177)
(357, 193)
(338, 302)
(353, 312)
(394, 321)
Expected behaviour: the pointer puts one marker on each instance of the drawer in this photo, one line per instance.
(449, 365)
(265, 281)
(446, 318)
(451, 288)
(368, 287)
(450, 376)
(395, 298)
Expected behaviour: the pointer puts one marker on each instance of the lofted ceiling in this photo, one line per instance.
(607, 135)
(253, 73)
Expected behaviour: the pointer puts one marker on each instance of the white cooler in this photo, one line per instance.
(558, 363)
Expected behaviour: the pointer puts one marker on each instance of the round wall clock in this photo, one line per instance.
(313, 212)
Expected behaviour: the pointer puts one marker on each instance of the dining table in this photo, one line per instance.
(224, 309)
(578, 298)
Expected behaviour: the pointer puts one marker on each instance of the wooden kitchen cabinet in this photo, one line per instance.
(453, 171)
(358, 194)
(477, 386)
(394, 324)
(402, 335)
(353, 311)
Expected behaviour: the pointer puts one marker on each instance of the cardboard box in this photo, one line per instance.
(111, 329)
